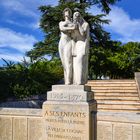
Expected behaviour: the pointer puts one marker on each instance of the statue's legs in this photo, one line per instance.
(61, 53)
(80, 64)
(68, 63)
(85, 79)
(79, 69)
(74, 70)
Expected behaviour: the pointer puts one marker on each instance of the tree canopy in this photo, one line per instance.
(25, 79)
(51, 16)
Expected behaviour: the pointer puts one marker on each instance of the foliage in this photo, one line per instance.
(101, 45)
(103, 4)
(26, 79)
(51, 16)
(21, 81)
(118, 61)
(99, 62)
(126, 60)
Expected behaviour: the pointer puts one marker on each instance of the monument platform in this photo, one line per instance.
(69, 113)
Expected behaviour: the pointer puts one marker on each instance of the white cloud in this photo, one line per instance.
(13, 11)
(95, 10)
(12, 57)
(20, 42)
(25, 7)
(13, 22)
(32, 25)
(17, 41)
(122, 24)
(19, 7)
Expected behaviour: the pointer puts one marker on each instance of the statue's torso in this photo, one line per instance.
(65, 35)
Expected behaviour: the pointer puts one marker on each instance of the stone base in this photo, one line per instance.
(70, 93)
(68, 113)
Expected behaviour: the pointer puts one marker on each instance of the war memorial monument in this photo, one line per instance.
(78, 109)
(68, 109)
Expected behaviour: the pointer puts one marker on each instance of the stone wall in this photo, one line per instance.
(21, 124)
(137, 78)
(118, 126)
(28, 124)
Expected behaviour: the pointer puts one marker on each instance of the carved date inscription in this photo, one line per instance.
(62, 96)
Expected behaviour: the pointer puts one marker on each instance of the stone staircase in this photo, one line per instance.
(116, 95)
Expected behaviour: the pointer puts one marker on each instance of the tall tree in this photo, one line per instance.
(103, 4)
(125, 61)
(51, 16)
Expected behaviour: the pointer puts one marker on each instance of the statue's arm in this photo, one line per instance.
(64, 28)
(83, 29)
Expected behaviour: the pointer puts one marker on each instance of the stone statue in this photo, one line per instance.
(65, 45)
(80, 49)
(74, 48)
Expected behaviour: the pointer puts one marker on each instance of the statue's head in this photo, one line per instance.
(67, 13)
(76, 16)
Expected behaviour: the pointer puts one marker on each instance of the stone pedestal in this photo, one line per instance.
(68, 113)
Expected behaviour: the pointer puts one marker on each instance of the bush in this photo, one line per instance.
(20, 81)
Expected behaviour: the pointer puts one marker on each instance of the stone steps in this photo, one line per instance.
(118, 102)
(115, 101)
(112, 81)
(116, 95)
(134, 94)
(119, 106)
(114, 90)
(112, 84)
(120, 110)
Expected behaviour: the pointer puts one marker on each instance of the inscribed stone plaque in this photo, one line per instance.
(35, 129)
(136, 132)
(122, 132)
(104, 131)
(5, 128)
(71, 93)
(67, 121)
(83, 96)
(19, 128)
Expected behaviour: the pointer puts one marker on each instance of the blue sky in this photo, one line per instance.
(19, 22)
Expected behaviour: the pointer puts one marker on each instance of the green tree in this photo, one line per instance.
(100, 39)
(125, 61)
(51, 16)
(103, 4)
(22, 80)
(100, 64)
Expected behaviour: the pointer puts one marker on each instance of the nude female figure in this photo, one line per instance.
(65, 45)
